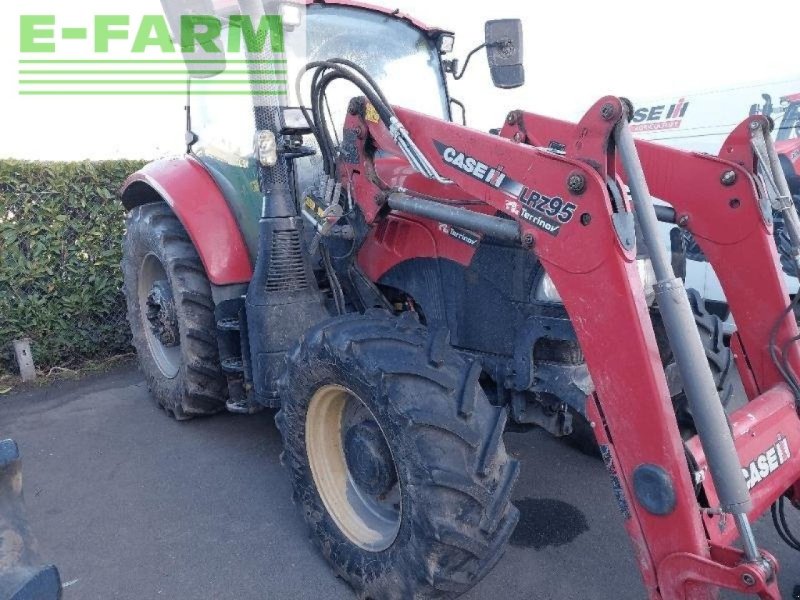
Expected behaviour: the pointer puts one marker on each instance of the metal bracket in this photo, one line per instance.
(727, 568)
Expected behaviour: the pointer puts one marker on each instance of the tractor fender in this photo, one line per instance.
(195, 198)
(388, 244)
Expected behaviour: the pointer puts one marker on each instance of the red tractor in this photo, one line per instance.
(403, 289)
(787, 136)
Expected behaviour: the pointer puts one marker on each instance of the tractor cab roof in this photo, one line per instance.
(229, 7)
(792, 98)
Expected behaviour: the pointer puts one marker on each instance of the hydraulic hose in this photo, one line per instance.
(339, 69)
(366, 87)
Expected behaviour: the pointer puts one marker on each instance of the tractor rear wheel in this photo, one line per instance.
(720, 359)
(396, 457)
(171, 314)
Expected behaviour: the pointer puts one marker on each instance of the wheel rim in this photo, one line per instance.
(157, 310)
(353, 468)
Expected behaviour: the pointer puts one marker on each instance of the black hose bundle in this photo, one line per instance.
(328, 71)
(782, 526)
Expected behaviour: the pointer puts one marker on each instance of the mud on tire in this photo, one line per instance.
(454, 476)
(186, 379)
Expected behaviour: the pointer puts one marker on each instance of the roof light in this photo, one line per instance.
(291, 14)
(447, 42)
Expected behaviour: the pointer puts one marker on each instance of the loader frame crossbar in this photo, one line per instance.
(554, 179)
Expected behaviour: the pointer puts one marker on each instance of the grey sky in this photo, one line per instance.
(575, 53)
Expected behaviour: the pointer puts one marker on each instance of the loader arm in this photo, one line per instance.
(730, 221)
(584, 238)
(722, 202)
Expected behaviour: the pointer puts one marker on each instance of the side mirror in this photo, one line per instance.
(504, 50)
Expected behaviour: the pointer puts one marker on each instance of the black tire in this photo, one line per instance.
(720, 359)
(198, 386)
(445, 438)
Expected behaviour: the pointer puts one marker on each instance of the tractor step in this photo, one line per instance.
(243, 406)
(229, 324)
(233, 366)
(240, 400)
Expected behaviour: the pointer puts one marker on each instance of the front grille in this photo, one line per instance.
(287, 271)
(558, 351)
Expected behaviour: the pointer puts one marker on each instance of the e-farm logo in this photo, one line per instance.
(153, 56)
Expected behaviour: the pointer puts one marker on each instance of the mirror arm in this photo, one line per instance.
(458, 76)
(463, 108)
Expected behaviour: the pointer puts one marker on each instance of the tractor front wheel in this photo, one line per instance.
(396, 457)
(171, 314)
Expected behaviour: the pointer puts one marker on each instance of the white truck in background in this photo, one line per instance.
(701, 122)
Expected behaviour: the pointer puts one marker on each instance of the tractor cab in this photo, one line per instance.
(403, 56)
(786, 119)
(789, 127)
(787, 141)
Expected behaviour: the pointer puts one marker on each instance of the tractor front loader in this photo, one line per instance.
(418, 286)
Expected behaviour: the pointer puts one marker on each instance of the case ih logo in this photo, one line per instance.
(767, 463)
(471, 166)
(658, 118)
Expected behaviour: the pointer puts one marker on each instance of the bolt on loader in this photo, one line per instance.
(402, 289)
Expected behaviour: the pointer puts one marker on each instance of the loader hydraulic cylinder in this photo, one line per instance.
(701, 392)
(496, 227)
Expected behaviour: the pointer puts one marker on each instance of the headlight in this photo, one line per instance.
(267, 148)
(547, 292)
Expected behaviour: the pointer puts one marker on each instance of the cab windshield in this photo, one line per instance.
(790, 126)
(403, 61)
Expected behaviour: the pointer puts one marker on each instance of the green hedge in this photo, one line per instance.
(61, 228)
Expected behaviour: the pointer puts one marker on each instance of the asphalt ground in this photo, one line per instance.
(132, 505)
